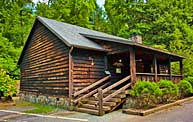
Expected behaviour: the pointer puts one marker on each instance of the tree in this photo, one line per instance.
(14, 29)
(100, 21)
(77, 12)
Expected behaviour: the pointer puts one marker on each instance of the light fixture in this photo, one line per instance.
(92, 60)
(139, 60)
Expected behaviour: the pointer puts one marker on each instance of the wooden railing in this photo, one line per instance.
(174, 78)
(114, 85)
(90, 87)
(151, 77)
(116, 92)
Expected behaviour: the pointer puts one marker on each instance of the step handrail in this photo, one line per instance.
(91, 86)
(114, 85)
(101, 92)
(116, 92)
(90, 93)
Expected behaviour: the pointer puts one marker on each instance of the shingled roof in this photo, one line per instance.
(80, 37)
(74, 35)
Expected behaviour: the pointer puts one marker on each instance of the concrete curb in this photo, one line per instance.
(153, 110)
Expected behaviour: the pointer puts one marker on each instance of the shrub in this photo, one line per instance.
(190, 80)
(185, 88)
(169, 90)
(7, 85)
(146, 93)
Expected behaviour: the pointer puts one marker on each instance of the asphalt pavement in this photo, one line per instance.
(181, 113)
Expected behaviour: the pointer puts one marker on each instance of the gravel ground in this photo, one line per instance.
(183, 113)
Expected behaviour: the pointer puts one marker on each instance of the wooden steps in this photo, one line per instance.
(87, 110)
(102, 99)
(89, 105)
(121, 95)
(114, 99)
(94, 107)
(94, 102)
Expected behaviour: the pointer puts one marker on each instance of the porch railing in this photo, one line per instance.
(101, 91)
(151, 77)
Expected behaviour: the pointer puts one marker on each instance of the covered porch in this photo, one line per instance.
(144, 63)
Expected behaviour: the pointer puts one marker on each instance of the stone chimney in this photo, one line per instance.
(136, 38)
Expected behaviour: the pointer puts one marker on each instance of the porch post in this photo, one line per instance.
(155, 66)
(169, 68)
(181, 69)
(132, 65)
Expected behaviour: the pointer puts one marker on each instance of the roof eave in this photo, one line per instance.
(124, 41)
(90, 48)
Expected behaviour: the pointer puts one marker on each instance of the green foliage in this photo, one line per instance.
(185, 88)
(146, 93)
(15, 24)
(99, 20)
(190, 80)
(169, 90)
(162, 46)
(7, 85)
(76, 12)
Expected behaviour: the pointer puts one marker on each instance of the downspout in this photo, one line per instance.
(70, 76)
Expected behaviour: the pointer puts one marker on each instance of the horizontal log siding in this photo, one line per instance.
(44, 68)
(84, 73)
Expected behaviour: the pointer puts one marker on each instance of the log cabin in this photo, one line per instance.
(86, 70)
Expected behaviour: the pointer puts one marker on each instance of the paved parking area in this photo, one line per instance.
(182, 113)
(14, 116)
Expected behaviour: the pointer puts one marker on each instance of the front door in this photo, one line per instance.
(118, 65)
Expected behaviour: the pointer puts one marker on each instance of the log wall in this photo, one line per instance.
(84, 73)
(44, 68)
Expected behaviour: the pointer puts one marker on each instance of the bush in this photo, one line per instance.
(169, 90)
(7, 85)
(146, 93)
(190, 80)
(185, 88)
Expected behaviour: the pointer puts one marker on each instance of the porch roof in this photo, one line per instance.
(131, 43)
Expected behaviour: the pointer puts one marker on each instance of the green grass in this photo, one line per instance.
(39, 108)
(23, 103)
(43, 109)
